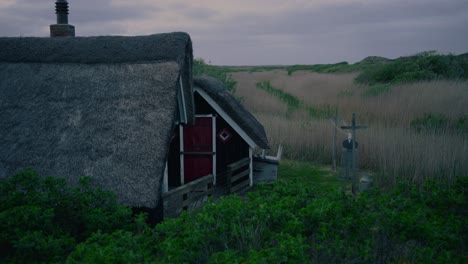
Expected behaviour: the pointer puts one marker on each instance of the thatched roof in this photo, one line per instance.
(175, 46)
(217, 91)
(99, 106)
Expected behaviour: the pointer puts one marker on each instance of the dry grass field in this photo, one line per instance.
(391, 146)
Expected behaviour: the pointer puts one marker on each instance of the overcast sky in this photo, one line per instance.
(263, 32)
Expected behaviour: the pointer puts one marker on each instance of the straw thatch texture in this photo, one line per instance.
(216, 90)
(100, 106)
(175, 46)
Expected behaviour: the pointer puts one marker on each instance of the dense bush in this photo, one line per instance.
(287, 222)
(43, 219)
(422, 66)
(200, 67)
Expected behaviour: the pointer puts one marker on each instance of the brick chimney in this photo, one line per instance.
(62, 28)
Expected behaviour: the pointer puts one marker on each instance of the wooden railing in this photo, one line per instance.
(187, 196)
(193, 194)
(237, 176)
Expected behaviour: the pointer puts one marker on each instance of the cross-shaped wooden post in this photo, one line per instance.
(335, 122)
(353, 128)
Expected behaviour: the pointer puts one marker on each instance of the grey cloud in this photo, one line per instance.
(89, 11)
(345, 16)
(341, 32)
(41, 14)
(325, 34)
(199, 13)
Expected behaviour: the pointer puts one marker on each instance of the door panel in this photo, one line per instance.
(198, 149)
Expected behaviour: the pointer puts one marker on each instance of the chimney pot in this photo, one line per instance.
(62, 28)
(61, 9)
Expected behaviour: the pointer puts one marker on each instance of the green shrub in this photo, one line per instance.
(42, 219)
(200, 67)
(118, 247)
(288, 221)
(422, 66)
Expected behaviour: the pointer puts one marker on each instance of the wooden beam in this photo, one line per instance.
(240, 175)
(239, 164)
(239, 186)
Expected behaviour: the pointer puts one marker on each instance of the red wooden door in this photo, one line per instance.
(198, 149)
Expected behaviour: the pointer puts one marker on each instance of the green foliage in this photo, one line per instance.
(42, 219)
(422, 66)
(118, 247)
(341, 67)
(309, 174)
(322, 68)
(291, 100)
(253, 68)
(323, 111)
(378, 70)
(373, 60)
(294, 103)
(440, 122)
(200, 67)
(377, 89)
(297, 219)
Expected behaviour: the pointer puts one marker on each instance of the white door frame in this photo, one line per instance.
(181, 136)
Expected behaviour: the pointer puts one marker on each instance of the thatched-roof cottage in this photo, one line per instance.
(224, 133)
(124, 111)
(104, 107)
(217, 149)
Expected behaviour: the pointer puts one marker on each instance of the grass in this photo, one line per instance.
(428, 65)
(340, 67)
(412, 132)
(309, 174)
(415, 108)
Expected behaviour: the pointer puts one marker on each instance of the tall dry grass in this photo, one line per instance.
(389, 146)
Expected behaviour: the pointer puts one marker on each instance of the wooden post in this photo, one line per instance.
(353, 153)
(335, 123)
(353, 128)
(228, 180)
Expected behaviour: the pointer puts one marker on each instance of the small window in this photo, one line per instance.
(224, 135)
